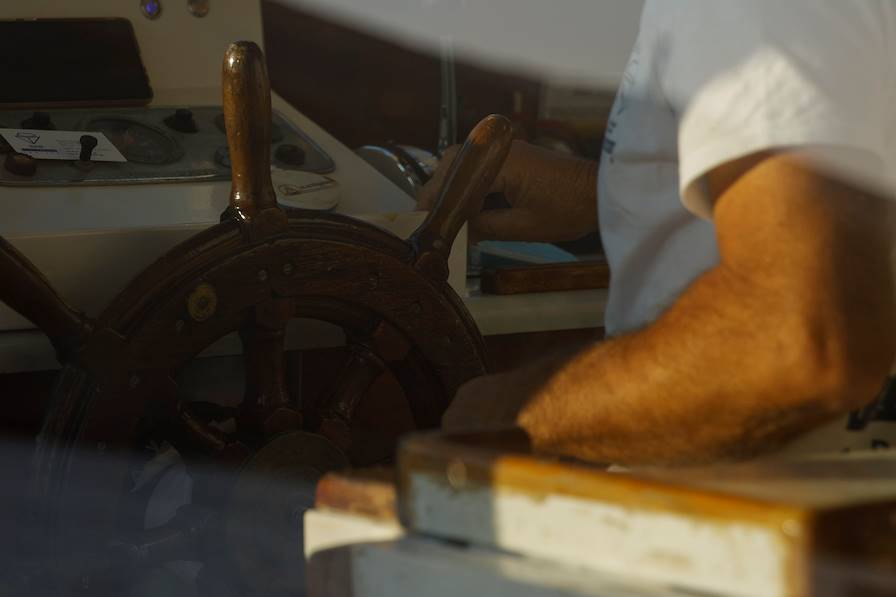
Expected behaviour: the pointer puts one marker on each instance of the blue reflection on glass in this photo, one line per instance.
(151, 8)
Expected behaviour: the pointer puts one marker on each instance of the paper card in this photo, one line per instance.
(60, 145)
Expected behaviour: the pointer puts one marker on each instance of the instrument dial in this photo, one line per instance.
(139, 143)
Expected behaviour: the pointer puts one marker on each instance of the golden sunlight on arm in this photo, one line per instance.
(793, 327)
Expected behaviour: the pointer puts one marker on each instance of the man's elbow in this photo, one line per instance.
(843, 367)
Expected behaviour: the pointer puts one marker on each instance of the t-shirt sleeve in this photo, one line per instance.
(745, 77)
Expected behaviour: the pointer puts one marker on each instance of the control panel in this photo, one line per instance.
(158, 144)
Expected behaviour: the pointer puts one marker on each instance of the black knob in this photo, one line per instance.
(88, 143)
(182, 121)
(40, 121)
(20, 164)
(292, 155)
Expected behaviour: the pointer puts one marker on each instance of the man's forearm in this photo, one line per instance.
(570, 180)
(793, 328)
(553, 197)
(710, 379)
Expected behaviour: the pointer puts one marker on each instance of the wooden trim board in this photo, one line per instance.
(552, 277)
(728, 537)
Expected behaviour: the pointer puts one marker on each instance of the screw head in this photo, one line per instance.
(135, 381)
(791, 527)
(262, 275)
(287, 268)
(198, 8)
(202, 302)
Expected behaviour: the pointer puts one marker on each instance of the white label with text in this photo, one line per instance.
(60, 145)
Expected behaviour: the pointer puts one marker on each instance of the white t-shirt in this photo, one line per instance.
(710, 81)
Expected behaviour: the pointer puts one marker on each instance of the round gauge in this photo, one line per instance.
(137, 142)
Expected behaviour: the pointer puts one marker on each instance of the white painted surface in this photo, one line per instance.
(728, 558)
(417, 567)
(537, 312)
(48, 210)
(325, 529)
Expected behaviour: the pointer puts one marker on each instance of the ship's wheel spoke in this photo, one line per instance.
(360, 370)
(390, 344)
(210, 456)
(212, 412)
(193, 436)
(267, 408)
(411, 372)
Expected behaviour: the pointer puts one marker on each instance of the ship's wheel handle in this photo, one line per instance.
(462, 194)
(247, 119)
(29, 293)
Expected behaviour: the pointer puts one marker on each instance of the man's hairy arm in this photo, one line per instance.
(793, 327)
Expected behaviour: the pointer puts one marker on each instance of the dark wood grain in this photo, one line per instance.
(267, 406)
(551, 277)
(368, 492)
(466, 185)
(247, 117)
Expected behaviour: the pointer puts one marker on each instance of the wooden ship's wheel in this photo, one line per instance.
(255, 271)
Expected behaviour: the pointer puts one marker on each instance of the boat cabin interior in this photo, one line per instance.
(229, 333)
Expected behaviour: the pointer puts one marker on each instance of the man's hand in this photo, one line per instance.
(552, 196)
(500, 400)
(483, 403)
